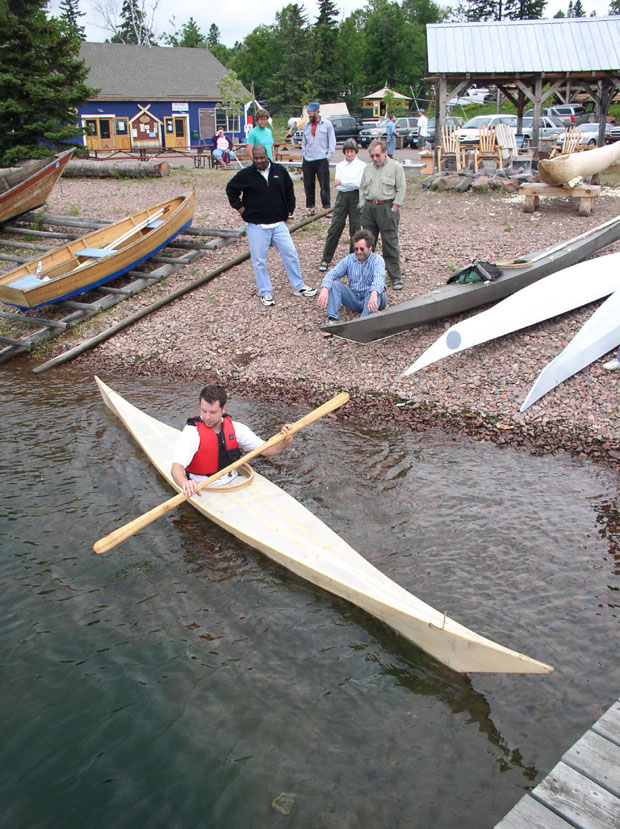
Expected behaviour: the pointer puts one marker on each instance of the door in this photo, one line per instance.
(176, 131)
(121, 138)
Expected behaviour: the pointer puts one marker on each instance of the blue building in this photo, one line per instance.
(152, 97)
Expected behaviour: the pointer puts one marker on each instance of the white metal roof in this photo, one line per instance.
(381, 93)
(525, 46)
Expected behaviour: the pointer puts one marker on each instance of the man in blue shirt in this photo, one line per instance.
(365, 272)
(318, 142)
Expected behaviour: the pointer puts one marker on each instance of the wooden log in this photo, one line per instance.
(82, 168)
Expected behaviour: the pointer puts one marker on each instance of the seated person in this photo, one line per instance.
(365, 271)
(222, 149)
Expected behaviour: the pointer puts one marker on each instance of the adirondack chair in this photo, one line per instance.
(487, 148)
(507, 143)
(451, 148)
(570, 143)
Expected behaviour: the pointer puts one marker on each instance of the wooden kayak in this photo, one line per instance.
(456, 299)
(28, 185)
(556, 294)
(267, 518)
(598, 335)
(569, 169)
(98, 257)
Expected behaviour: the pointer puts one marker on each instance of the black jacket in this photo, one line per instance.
(264, 202)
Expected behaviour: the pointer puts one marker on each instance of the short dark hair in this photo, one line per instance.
(350, 144)
(262, 113)
(214, 394)
(366, 235)
(379, 142)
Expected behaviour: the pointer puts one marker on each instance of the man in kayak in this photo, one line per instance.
(365, 272)
(212, 441)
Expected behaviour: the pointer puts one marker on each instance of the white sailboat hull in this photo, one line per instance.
(266, 517)
(556, 294)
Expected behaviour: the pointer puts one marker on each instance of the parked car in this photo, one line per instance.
(589, 135)
(403, 127)
(567, 113)
(411, 140)
(346, 126)
(549, 130)
(470, 132)
(612, 133)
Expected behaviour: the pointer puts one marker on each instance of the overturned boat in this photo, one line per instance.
(456, 298)
(569, 169)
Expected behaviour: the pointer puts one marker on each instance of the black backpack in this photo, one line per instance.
(476, 272)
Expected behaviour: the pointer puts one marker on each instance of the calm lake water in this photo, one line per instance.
(185, 680)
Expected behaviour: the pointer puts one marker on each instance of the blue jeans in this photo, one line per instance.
(340, 294)
(219, 153)
(259, 239)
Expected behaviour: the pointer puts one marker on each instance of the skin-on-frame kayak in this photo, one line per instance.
(28, 185)
(456, 299)
(97, 257)
(267, 518)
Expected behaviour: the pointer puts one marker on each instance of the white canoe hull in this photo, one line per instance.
(556, 294)
(569, 169)
(599, 335)
(267, 518)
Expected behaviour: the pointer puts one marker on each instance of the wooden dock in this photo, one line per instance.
(583, 790)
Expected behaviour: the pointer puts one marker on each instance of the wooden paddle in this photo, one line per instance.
(115, 537)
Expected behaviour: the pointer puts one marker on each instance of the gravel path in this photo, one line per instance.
(222, 331)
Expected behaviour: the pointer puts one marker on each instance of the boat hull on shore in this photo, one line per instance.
(27, 186)
(556, 294)
(456, 299)
(98, 257)
(597, 336)
(267, 518)
(570, 168)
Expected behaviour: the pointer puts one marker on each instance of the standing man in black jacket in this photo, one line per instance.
(264, 197)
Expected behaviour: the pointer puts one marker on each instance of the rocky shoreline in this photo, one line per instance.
(221, 331)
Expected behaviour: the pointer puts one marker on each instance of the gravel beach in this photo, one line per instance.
(221, 331)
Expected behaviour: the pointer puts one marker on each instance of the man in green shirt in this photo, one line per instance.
(382, 193)
(261, 134)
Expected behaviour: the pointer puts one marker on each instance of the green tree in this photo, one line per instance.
(288, 84)
(231, 93)
(254, 60)
(135, 27)
(213, 38)
(42, 80)
(614, 7)
(188, 35)
(70, 14)
(327, 77)
(525, 9)
(578, 9)
(351, 55)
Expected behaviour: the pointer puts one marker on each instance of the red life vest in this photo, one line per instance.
(216, 449)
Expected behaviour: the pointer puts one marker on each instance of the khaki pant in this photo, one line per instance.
(381, 219)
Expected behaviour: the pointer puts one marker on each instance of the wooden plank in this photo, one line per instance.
(598, 759)
(578, 799)
(609, 724)
(531, 814)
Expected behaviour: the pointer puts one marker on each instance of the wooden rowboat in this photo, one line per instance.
(556, 294)
(98, 257)
(264, 516)
(569, 169)
(28, 185)
(598, 335)
(456, 299)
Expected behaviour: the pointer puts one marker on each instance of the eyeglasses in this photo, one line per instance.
(376, 155)
(360, 249)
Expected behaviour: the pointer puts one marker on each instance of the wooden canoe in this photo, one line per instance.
(597, 336)
(556, 294)
(571, 168)
(28, 185)
(456, 299)
(265, 517)
(98, 257)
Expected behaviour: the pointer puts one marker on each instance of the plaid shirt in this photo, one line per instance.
(362, 277)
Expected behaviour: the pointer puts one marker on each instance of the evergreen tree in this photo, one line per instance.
(614, 7)
(559, 13)
(254, 60)
(70, 14)
(578, 9)
(525, 9)
(213, 38)
(288, 83)
(188, 35)
(481, 10)
(326, 79)
(42, 80)
(134, 28)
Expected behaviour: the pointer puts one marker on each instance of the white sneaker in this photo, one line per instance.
(305, 290)
(323, 266)
(267, 299)
(612, 365)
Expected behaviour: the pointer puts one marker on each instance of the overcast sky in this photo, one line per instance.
(237, 19)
